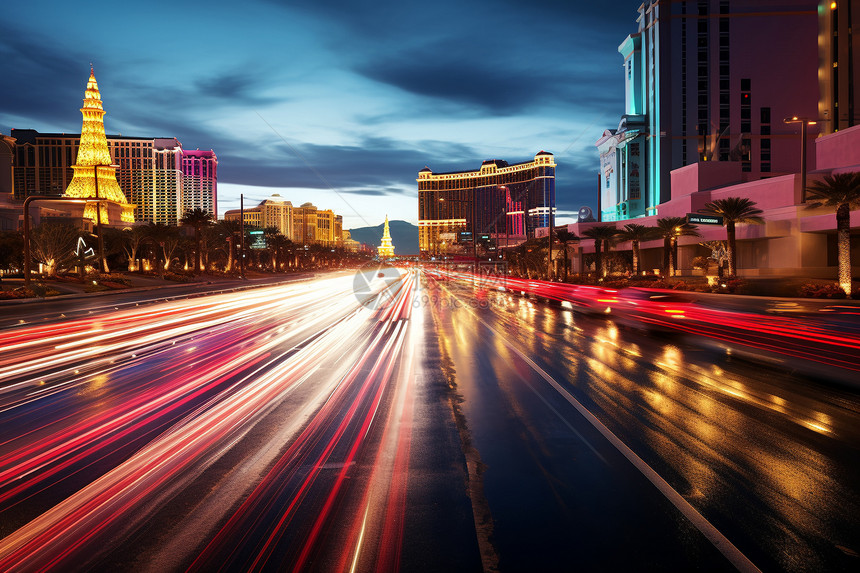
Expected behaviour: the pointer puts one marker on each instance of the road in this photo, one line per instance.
(565, 409)
(394, 422)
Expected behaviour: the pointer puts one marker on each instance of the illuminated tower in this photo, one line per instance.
(386, 249)
(93, 174)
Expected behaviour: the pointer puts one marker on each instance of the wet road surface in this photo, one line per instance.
(421, 426)
(767, 459)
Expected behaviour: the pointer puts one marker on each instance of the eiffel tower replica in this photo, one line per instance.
(94, 176)
(386, 249)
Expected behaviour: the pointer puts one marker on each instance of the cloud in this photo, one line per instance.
(378, 165)
(25, 61)
(491, 87)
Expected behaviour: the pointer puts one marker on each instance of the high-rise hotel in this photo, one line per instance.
(500, 202)
(714, 80)
(160, 178)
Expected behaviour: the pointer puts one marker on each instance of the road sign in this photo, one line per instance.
(258, 239)
(697, 219)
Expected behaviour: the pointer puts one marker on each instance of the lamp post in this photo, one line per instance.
(507, 224)
(804, 122)
(475, 225)
(242, 235)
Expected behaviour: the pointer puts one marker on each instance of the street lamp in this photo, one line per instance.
(804, 122)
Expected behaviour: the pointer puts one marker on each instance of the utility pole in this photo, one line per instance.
(549, 235)
(475, 225)
(242, 235)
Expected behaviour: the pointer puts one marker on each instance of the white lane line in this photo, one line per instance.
(720, 541)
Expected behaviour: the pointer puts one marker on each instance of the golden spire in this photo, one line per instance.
(94, 157)
(386, 249)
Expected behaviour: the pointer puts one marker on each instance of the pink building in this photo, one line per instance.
(199, 181)
(794, 241)
(710, 80)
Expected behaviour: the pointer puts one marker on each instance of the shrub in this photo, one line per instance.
(179, 278)
(733, 285)
(829, 290)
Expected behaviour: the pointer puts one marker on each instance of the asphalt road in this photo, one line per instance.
(387, 422)
(567, 416)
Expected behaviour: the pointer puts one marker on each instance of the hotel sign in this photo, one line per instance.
(695, 219)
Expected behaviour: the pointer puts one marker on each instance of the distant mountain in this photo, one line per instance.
(404, 236)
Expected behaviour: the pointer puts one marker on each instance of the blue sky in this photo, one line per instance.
(338, 103)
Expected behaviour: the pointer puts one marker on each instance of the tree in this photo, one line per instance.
(841, 191)
(670, 228)
(125, 241)
(603, 235)
(529, 258)
(54, 246)
(734, 210)
(166, 239)
(270, 233)
(565, 237)
(636, 234)
(229, 229)
(277, 244)
(11, 250)
(718, 255)
(197, 218)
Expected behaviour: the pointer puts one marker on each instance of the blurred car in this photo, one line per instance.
(652, 309)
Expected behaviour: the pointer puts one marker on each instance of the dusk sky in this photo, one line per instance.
(337, 103)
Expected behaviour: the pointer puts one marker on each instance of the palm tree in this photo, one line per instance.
(565, 237)
(229, 229)
(636, 233)
(602, 235)
(734, 210)
(278, 244)
(197, 218)
(670, 228)
(842, 191)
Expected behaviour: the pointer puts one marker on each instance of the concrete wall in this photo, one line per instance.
(840, 150)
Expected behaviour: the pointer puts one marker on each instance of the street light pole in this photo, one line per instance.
(804, 122)
(507, 223)
(242, 235)
(475, 224)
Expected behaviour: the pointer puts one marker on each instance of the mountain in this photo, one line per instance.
(404, 236)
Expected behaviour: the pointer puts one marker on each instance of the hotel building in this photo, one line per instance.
(709, 80)
(156, 175)
(305, 225)
(503, 202)
(838, 57)
(199, 181)
(795, 239)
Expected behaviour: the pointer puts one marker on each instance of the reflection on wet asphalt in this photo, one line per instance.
(767, 458)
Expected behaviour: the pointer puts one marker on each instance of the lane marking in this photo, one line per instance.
(717, 539)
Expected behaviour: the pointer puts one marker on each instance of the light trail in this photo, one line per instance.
(190, 378)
